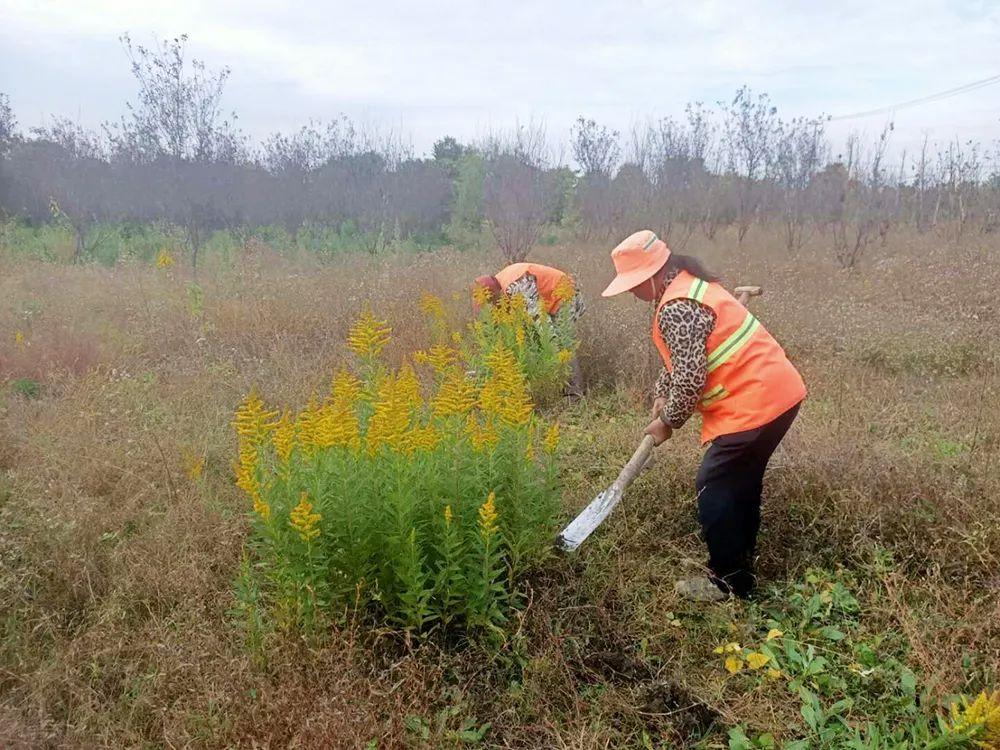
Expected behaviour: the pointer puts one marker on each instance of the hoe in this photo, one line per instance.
(601, 506)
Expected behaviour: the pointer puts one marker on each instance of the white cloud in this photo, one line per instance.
(449, 66)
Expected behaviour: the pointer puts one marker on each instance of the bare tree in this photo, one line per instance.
(960, 166)
(800, 151)
(863, 211)
(515, 199)
(177, 122)
(748, 134)
(922, 179)
(517, 190)
(595, 148)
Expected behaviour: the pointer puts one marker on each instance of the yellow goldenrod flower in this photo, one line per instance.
(420, 438)
(551, 441)
(774, 633)
(368, 335)
(164, 259)
(336, 423)
(482, 436)
(719, 650)
(283, 437)
(505, 392)
(455, 396)
(564, 356)
(488, 516)
(439, 357)
(19, 338)
(773, 674)
(519, 336)
(481, 295)
(756, 660)
(564, 290)
(261, 508)
(345, 388)
(981, 714)
(447, 515)
(456, 337)
(408, 387)
(303, 520)
(529, 452)
(306, 427)
(516, 305)
(430, 304)
(253, 421)
(246, 475)
(734, 664)
(394, 405)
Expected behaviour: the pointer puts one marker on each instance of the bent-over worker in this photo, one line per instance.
(719, 360)
(536, 285)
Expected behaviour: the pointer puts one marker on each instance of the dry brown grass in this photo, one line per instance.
(116, 568)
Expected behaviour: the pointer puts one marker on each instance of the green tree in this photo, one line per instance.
(466, 225)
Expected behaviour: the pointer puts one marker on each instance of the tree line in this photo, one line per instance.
(177, 157)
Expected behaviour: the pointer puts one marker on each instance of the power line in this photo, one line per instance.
(975, 85)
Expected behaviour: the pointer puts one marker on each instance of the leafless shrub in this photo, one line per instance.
(748, 135)
(595, 148)
(863, 213)
(799, 154)
(515, 204)
(518, 189)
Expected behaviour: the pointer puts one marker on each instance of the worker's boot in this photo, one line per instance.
(699, 589)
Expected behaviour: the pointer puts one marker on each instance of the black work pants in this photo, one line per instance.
(729, 485)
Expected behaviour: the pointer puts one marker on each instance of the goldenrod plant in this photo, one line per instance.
(543, 347)
(979, 718)
(421, 495)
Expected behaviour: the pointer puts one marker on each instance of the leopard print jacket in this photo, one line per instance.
(527, 287)
(685, 326)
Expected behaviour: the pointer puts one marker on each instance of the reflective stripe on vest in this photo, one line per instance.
(698, 289)
(712, 395)
(724, 351)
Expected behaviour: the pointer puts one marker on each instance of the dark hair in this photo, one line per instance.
(689, 263)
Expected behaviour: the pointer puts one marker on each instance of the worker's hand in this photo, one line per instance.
(658, 431)
(658, 404)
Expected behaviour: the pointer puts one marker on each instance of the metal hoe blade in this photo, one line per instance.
(590, 518)
(601, 506)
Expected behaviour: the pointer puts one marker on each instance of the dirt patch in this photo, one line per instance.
(671, 704)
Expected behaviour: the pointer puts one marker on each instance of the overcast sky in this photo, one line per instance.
(463, 67)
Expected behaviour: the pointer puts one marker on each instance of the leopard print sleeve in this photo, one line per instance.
(527, 287)
(662, 387)
(685, 326)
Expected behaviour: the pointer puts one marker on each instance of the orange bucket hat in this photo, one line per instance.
(636, 259)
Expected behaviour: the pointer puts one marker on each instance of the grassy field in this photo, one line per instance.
(121, 531)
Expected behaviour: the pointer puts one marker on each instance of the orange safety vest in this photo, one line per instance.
(548, 279)
(750, 380)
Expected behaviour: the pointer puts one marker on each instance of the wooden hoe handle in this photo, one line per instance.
(744, 293)
(635, 464)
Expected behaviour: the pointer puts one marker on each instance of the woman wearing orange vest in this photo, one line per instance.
(719, 360)
(543, 289)
(537, 284)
